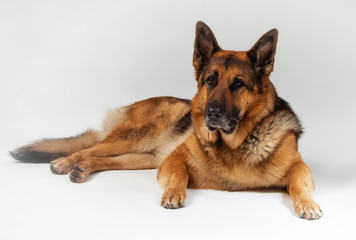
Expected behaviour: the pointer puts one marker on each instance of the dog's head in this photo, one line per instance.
(234, 90)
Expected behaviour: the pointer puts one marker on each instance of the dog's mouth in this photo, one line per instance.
(226, 126)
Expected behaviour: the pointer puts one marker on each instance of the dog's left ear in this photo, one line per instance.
(205, 45)
(262, 53)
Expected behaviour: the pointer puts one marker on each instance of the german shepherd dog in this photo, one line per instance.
(235, 134)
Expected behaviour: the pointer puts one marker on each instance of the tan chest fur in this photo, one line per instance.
(263, 160)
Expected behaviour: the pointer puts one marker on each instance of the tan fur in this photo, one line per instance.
(263, 140)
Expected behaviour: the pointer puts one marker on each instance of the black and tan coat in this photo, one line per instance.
(235, 134)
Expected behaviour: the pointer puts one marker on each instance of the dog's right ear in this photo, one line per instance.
(205, 46)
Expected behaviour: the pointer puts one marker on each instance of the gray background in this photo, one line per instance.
(64, 63)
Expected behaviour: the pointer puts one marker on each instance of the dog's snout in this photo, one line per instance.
(215, 112)
(216, 116)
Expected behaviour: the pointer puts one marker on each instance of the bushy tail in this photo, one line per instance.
(45, 150)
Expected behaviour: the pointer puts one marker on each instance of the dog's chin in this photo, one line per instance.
(225, 129)
(211, 128)
(229, 130)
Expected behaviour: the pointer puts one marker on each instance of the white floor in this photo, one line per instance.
(36, 204)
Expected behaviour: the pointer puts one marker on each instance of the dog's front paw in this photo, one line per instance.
(61, 166)
(173, 199)
(308, 210)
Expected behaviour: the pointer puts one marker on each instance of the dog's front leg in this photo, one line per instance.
(173, 176)
(300, 188)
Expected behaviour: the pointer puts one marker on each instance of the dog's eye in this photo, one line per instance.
(238, 83)
(211, 80)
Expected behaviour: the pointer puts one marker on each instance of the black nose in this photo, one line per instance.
(215, 112)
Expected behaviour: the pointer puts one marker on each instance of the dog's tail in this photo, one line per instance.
(45, 150)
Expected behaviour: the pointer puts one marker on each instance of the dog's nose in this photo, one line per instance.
(214, 112)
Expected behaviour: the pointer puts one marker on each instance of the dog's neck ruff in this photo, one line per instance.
(267, 135)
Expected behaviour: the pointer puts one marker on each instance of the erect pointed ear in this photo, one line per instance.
(205, 46)
(262, 53)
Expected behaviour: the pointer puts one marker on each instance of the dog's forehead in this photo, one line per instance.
(228, 59)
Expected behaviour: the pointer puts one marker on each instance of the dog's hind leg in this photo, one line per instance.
(81, 170)
(65, 164)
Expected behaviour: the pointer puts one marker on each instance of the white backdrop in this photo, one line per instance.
(64, 63)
